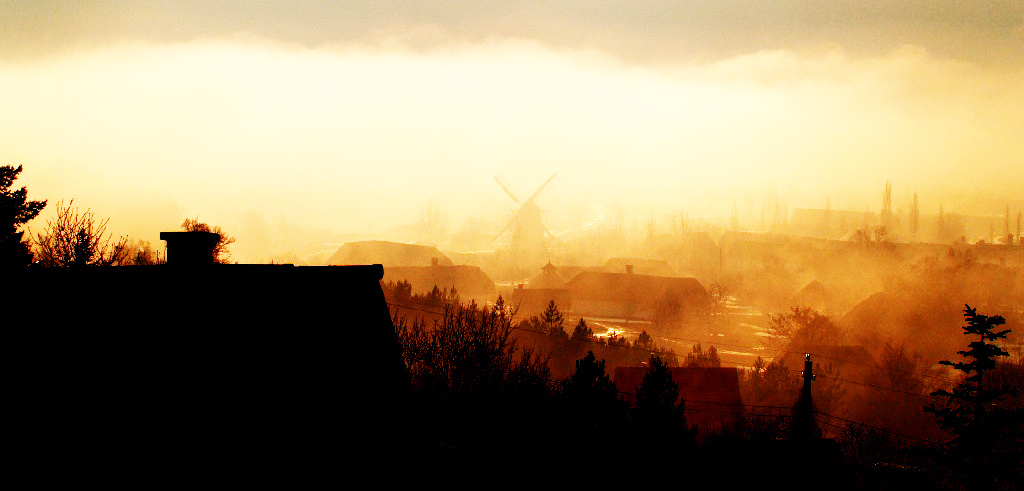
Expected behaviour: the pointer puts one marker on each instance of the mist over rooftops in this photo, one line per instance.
(388, 253)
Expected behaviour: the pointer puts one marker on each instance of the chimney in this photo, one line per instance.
(190, 248)
(629, 269)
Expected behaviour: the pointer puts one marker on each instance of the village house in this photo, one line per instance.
(632, 296)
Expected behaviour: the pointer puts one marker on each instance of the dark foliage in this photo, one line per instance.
(986, 435)
(401, 292)
(658, 406)
(221, 254)
(582, 333)
(475, 389)
(593, 401)
(74, 239)
(15, 211)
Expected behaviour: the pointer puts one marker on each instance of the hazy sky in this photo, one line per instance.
(349, 116)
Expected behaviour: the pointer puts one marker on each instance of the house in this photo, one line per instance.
(814, 295)
(389, 254)
(470, 282)
(653, 267)
(192, 363)
(636, 296)
(712, 394)
(533, 297)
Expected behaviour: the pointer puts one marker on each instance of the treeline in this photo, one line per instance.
(481, 400)
(73, 238)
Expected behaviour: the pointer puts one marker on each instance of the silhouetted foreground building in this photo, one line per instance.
(191, 365)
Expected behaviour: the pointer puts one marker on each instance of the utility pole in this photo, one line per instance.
(808, 375)
(804, 426)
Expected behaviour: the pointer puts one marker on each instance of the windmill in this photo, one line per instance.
(527, 224)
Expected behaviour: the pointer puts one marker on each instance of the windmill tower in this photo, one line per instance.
(526, 228)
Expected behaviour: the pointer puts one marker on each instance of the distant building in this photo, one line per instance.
(533, 298)
(635, 296)
(470, 282)
(815, 296)
(653, 267)
(389, 254)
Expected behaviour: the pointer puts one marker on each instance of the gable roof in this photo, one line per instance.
(632, 287)
(655, 267)
(387, 253)
(469, 281)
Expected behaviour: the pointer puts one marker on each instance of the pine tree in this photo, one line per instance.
(986, 439)
(553, 320)
(15, 211)
(658, 407)
(582, 332)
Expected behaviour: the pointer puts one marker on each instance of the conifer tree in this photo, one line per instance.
(15, 211)
(986, 438)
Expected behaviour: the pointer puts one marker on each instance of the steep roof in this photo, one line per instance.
(469, 281)
(656, 267)
(548, 278)
(626, 286)
(815, 296)
(389, 254)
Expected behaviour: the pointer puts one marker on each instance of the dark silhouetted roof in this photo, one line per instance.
(267, 364)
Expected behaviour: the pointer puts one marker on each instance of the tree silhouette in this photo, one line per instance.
(221, 254)
(700, 358)
(592, 397)
(73, 239)
(582, 333)
(473, 380)
(987, 439)
(553, 321)
(644, 341)
(658, 407)
(804, 328)
(15, 211)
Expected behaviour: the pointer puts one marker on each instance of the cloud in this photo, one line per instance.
(355, 137)
(657, 30)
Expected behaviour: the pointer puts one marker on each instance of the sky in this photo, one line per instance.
(270, 118)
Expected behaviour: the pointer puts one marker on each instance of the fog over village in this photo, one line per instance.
(687, 236)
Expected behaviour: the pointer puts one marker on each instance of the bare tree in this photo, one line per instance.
(718, 296)
(74, 239)
(141, 253)
(432, 223)
(915, 218)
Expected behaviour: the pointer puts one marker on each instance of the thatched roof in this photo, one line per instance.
(815, 296)
(632, 287)
(656, 267)
(469, 281)
(390, 254)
